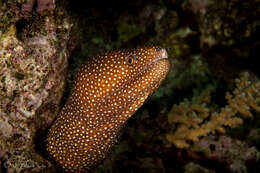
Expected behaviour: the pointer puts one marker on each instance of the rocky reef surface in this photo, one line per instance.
(34, 51)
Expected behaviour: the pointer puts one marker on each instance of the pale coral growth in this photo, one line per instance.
(27, 7)
(199, 5)
(235, 154)
(195, 120)
(245, 96)
(45, 5)
(42, 5)
(5, 128)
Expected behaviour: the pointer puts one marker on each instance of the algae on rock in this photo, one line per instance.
(33, 63)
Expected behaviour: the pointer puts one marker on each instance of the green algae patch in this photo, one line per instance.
(127, 32)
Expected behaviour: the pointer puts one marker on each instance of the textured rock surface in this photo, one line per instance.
(33, 63)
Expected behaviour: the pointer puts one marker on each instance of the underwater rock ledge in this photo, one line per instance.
(33, 63)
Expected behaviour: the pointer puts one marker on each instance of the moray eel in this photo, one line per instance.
(107, 91)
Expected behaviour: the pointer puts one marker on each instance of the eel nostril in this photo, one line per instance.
(158, 49)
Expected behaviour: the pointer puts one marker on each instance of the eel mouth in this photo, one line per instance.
(162, 55)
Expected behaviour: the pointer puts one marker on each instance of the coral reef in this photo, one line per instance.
(33, 64)
(224, 22)
(196, 119)
(237, 156)
(209, 112)
(42, 5)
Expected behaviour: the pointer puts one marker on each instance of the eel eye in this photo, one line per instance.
(131, 60)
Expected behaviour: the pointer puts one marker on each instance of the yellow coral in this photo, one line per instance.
(194, 120)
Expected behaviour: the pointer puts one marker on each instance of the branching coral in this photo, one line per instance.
(195, 120)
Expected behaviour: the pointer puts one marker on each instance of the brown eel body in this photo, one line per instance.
(107, 91)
